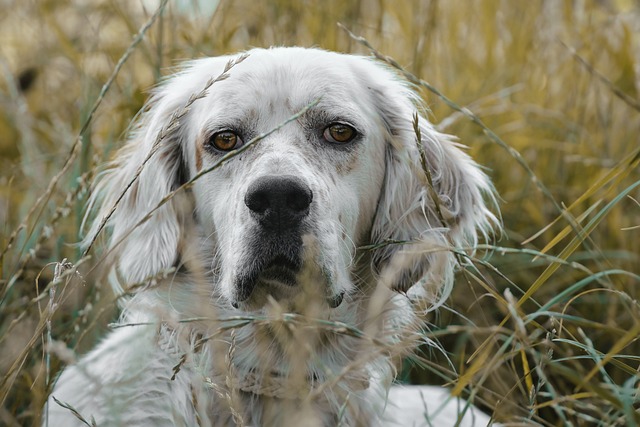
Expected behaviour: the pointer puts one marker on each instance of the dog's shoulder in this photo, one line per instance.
(125, 380)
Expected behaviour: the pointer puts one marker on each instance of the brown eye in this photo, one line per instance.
(339, 133)
(225, 140)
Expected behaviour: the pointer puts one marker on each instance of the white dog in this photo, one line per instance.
(280, 286)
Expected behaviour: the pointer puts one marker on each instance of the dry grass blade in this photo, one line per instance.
(612, 178)
(631, 102)
(59, 214)
(574, 244)
(75, 148)
(77, 414)
(427, 171)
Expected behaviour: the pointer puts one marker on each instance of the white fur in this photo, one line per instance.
(255, 364)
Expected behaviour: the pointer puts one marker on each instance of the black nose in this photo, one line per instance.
(278, 201)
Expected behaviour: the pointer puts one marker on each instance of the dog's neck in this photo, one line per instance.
(329, 374)
(275, 399)
(257, 391)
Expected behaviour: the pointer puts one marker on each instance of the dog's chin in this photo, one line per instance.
(285, 285)
(275, 283)
(269, 293)
(278, 276)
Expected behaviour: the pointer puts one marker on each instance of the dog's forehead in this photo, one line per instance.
(292, 78)
(310, 69)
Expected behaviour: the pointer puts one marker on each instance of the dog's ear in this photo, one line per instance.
(144, 238)
(432, 202)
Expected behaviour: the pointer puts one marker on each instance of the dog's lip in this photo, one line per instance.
(281, 261)
(281, 270)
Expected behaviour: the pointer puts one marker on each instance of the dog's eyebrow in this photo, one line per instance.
(322, 115)
(231, 119)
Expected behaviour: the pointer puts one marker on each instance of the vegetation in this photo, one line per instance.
(544, 93)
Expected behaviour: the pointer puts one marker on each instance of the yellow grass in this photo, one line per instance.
(544, 93)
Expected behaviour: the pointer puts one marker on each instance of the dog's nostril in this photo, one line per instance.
(257, 201)
(279, 201)
(299, 200)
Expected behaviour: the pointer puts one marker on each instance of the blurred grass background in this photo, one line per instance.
(544, 332)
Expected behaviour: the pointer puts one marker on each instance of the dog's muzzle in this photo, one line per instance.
(279, 204)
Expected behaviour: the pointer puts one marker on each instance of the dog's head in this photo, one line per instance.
(342, 190)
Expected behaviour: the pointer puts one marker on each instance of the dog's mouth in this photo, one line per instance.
(272, 272)
(280, 271)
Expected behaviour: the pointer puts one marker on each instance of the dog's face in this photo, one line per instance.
(316, 180)
(345, 174)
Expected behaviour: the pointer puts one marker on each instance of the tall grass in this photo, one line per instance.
(544, 94)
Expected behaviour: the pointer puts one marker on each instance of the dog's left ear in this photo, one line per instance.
(432, 203)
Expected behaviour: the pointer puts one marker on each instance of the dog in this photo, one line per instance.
(277, 223)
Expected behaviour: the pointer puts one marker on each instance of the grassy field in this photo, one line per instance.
(544, 93)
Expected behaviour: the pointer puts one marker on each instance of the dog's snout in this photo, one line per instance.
(279, 201)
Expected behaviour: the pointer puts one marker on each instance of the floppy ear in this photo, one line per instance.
(145, 170)
(433, 199)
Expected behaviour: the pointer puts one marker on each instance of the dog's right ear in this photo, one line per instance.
(144, 235)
